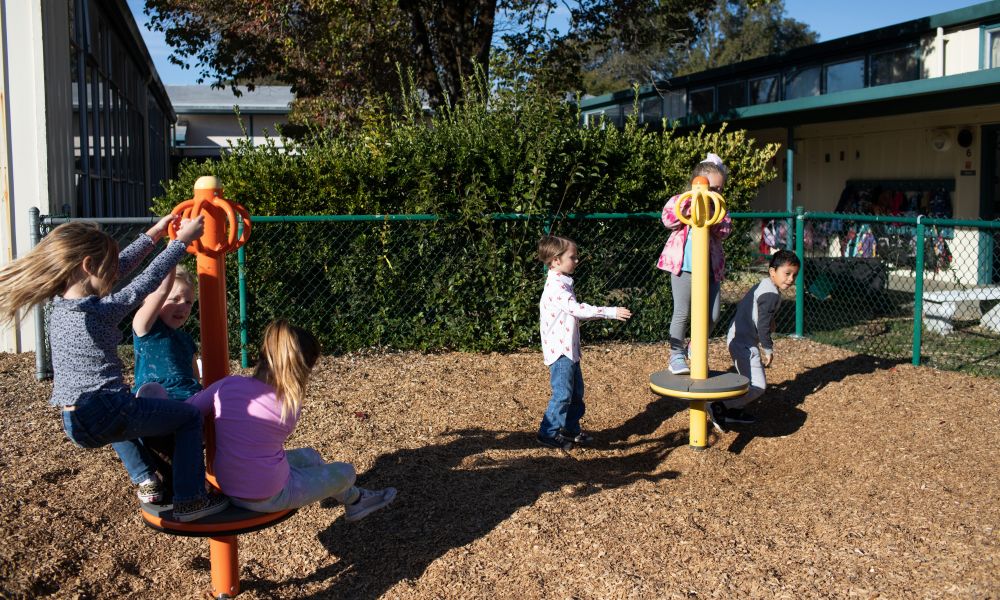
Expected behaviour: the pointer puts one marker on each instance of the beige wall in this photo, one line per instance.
(888, 148)
(216, 131)
(25, 164)
(881, 148)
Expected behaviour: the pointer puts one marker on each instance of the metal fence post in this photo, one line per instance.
(918, 291)
(43, 366)
(800, 293)
(241, 260)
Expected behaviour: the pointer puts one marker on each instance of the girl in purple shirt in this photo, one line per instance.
(253, 418)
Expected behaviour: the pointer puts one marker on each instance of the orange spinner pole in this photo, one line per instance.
(224, 554)
(223, 551)
(212, 284)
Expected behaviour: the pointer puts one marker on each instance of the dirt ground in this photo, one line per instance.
(862, 478)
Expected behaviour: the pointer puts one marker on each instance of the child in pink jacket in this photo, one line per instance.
(676, 258)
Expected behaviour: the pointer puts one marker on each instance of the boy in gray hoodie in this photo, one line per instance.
(749, 338)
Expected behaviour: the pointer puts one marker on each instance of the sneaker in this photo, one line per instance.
(192, 510)
(557, 441)
(150, 491)
(152, 390)
(580, 438)
(719, 416)
(738, 415)
(368, 502)
(678, 366)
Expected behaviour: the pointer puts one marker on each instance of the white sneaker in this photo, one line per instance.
(150, 491)
(152, 390)
(368, 502)
(678, 366)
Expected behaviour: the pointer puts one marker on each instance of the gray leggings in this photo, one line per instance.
(748, 364)
(680, 287)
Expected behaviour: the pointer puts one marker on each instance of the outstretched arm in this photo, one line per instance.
(130, 257)
(149, 311)
(566, 301)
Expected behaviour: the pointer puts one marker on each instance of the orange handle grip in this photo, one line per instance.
(184, 210)
(235, 215)
(245, 219)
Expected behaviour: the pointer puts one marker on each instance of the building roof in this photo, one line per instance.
(204, 99)
(965, 89)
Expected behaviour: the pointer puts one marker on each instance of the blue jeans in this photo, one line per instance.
(310, 479)
(136, 455)
(102, 418)
(566, 405)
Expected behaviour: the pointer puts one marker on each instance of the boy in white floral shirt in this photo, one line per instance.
(560, 316)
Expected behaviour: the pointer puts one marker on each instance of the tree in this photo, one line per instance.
(733, 31)
(339, 54)
(736, 32)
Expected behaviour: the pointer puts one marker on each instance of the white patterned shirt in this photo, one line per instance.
(560, 316)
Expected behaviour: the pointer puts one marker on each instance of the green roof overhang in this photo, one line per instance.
(975, 88)
(939, 93)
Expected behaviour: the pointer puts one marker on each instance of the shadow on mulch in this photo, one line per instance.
(780, 416)
(451, 502)
(646, 422)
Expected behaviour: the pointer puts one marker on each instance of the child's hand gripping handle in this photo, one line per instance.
(221, 210)
(702, 214)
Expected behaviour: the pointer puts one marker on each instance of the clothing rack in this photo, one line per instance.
(904, 185)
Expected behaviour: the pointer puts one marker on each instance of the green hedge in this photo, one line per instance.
(466, 281)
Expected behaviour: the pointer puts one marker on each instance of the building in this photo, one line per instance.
(86, 121)
(209, 120)
(913, 104)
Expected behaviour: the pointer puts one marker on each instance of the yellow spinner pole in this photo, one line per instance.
(706, 209)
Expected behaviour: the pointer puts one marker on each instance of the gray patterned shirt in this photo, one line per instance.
(84, 332)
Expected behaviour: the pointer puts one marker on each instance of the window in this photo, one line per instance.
(674, 105)
(613, 115)
(894, 66)
(652, 110)
(848, 75)
(701, 101)
(119, 127)
(800, 83)
(732, 95)
(991, 48)
(596, 118)
(764, 90)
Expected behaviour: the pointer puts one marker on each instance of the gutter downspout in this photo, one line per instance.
(790, 182)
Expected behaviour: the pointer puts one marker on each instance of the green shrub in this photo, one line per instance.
(465, 281)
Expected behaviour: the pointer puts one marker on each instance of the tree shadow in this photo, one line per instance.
(777, 411)
(454, 493)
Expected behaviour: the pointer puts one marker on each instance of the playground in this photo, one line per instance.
(862, 478)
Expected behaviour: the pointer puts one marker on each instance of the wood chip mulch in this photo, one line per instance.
(862, 478)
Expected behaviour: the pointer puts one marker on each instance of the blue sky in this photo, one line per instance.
(829, 19)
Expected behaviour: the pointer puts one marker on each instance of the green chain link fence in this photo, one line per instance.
(424, 282)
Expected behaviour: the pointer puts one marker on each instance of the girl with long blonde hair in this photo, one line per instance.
(76, 266)
(253, 418)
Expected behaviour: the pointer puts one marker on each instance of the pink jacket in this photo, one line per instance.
(672, 257)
